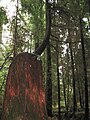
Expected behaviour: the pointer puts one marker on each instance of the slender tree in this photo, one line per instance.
(48, 78)
(58, 81)
(73, 75)
(15, 33)
(68, 92)
(64, 88)
(85, 71)
(49, 82)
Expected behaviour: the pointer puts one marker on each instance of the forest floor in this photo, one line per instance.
(67, 118)
(78, 116)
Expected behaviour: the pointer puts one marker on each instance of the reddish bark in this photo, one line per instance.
(24, 95)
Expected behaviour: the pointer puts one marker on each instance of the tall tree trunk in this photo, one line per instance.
(68, 80)
(73, 77)
(64, 88)
(48, 79)
(73, 73)
(58, 80)
(49, 83)
(89, 7)
(15, 34)
(78, 86)
(85, 72)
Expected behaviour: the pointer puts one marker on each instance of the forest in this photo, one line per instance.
(47, 43)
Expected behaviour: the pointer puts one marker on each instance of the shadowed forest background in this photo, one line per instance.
(62, 28)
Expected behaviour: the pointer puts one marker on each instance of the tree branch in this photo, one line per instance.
(43, 45)
(1, 67)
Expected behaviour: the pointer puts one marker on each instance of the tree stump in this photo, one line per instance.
(24, 94)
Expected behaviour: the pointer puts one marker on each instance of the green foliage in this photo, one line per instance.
(3, 16)
(31, 30)
(3, 20)
(36, 11)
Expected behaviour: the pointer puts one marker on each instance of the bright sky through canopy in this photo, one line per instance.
(10, 8)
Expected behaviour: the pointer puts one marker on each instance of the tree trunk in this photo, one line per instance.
(78, 86)
(49, 83)
(73, 72)
(85, 72)
(15, 33)
(73, 77)
(68, 91)
(24, 94)
(58, 81)
(64, 88)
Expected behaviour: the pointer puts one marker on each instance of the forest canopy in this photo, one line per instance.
(66, 59)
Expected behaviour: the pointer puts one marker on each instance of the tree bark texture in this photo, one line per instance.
(73, 82)
(68, 71)
(58, 81)
(49, 82)
(15, 33)
(85, 71)
(24, 94)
